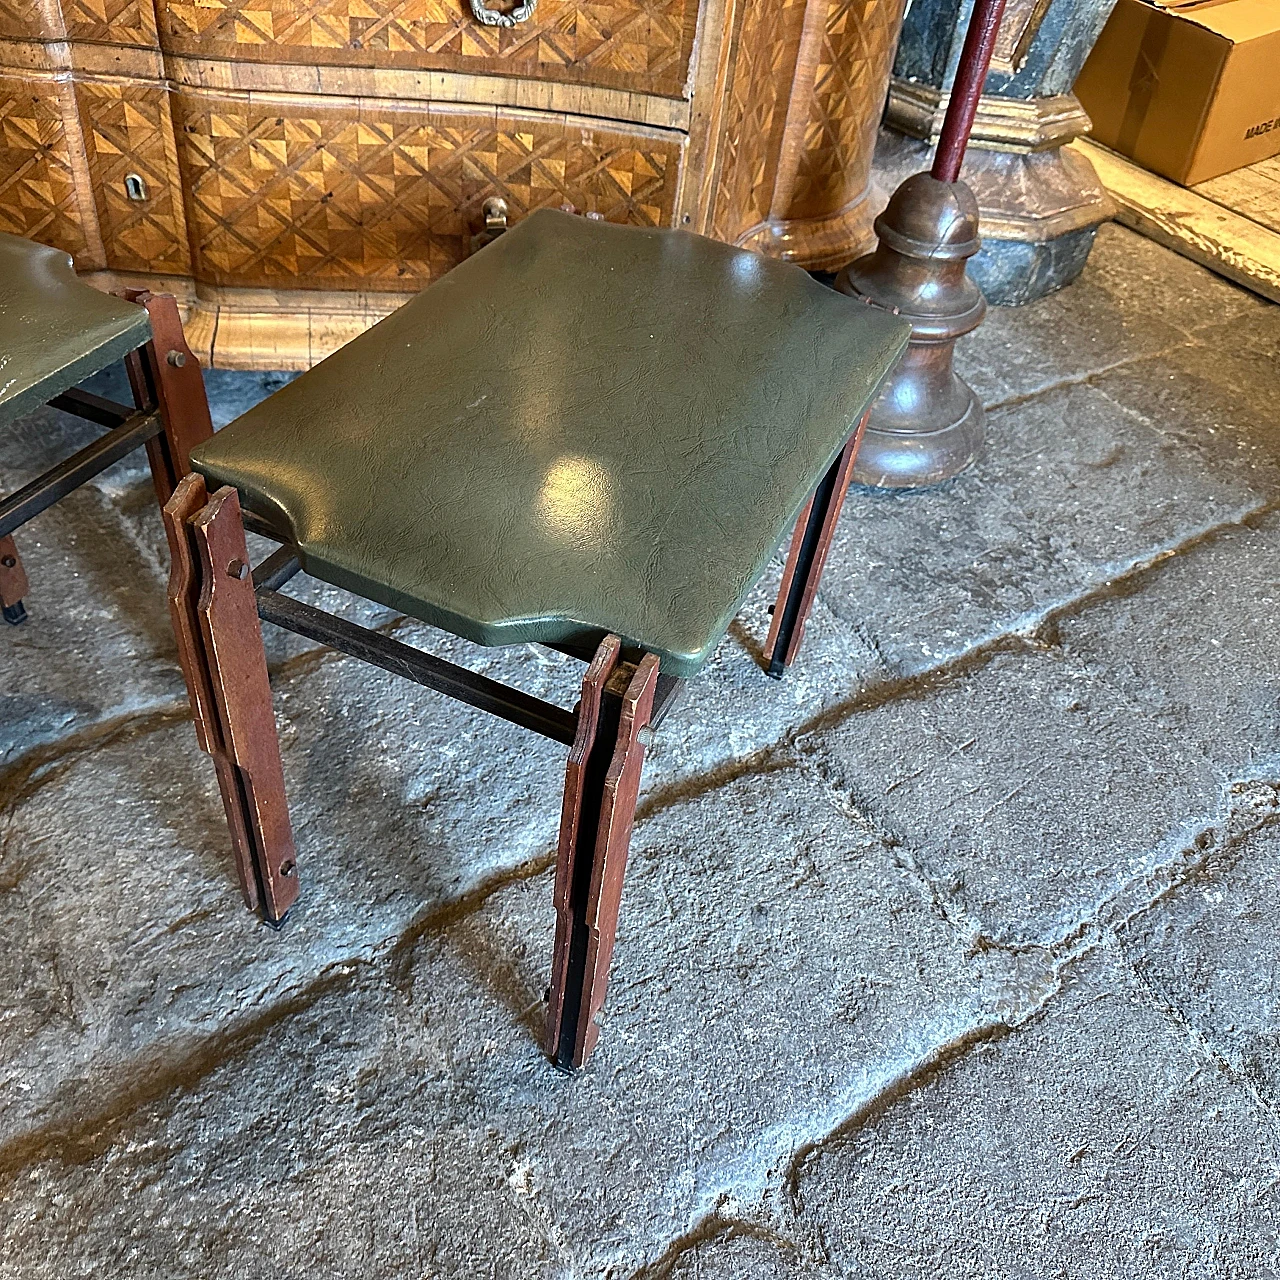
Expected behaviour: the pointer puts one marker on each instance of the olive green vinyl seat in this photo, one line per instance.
(55, 330)
(583, 429)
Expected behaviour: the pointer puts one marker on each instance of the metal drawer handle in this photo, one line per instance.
(496, 18)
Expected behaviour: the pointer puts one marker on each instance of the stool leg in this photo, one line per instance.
(602, 781)
(13, 582)
(808, 555)
(215, 621)
(166, 373)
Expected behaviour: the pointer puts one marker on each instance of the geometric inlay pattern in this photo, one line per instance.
(131, 22)
(642, 45)
(37, 186)
(128, 130)
(859, 38)
(389, 200)
(829, 163)
(766, 46)
(24, 20)
(340, 193)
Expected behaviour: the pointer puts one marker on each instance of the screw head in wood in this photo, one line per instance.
(177, 358)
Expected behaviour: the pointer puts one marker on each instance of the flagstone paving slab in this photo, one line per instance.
(1025, 788)
(96, 645)
(1195, 645)
(128, 933)
(1208, 954)
(1071, 493)
(1132, 300)
(1098, 1142)
(411, 1103)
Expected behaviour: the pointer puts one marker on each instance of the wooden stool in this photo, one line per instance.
(54, 332)
(587, 436)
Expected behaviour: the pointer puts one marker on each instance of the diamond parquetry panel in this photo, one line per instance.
(641, 45)
(389, 200)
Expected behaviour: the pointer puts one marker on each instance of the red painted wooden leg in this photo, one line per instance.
(602, 781)
(807, 557)
(220, 648)
(167, 374)
(185, 579)
(13, 582)
(237, 666)
(579, 819)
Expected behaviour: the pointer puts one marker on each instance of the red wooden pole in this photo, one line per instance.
(971, 75)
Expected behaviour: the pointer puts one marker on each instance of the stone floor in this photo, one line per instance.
(955, 955)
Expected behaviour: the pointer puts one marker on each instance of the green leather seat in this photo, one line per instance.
(582, 429)
(54, 329)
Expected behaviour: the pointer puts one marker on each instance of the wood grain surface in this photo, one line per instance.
(1229, 225)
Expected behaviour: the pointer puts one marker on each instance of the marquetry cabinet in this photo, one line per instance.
(293, 168)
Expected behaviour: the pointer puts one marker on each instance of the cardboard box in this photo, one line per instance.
(1187, 88)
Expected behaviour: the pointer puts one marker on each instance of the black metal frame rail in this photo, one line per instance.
(129, 428)
(401, 659)
(804, 562)
(404, 660)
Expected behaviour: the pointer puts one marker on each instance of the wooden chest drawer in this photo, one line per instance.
(127, 22)
(320, 196)
(66, 150)
(129, 143)
(645, 46)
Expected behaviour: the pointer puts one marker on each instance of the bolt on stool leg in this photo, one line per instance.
(13, 582)
(167, 374)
